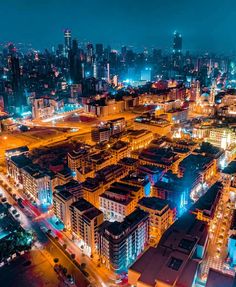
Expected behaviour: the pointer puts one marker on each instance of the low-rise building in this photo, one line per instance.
(120, 150)
(119, 200)
(92, 189)
(157, 126)
(129, 163)
(138, 139)
(197, 163)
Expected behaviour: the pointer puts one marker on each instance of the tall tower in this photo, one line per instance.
(108, 73)
(19, 99)
(177, 43)
(198, 92)
(67, 38)
(212, 93)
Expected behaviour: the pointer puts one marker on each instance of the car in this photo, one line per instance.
(4, 199)
(43, 228)
(70, 279)
(57, 268)
(27, 263)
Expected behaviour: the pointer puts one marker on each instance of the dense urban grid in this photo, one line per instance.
(117, 167)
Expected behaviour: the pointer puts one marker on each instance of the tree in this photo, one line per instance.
(83, 265)
(56, 260)
(64, 270)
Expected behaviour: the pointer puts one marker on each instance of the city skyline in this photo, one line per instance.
(150, 25)
(117, 143)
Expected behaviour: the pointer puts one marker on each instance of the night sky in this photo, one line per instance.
(204, 24)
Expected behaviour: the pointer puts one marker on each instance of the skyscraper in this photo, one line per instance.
(99, 50)
(18, 100)
(75, 67)
(67, 38)
(177, 43)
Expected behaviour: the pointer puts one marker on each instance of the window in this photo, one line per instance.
(175, 263)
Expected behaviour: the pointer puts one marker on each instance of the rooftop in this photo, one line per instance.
(231, 168)
(162, 156)
(195, 162)
(91, 214)
(130, 221)
(64, 194)
(21, 160)
(173, 257)
(35, 171)
(150, 168)
(119, 145)
(154, 203)
(209, 149)
(128, 161)
(219, 279)
(18, 149)
(208, 201)
(82, 205)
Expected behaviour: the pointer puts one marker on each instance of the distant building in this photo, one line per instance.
(120, 150)
(138, 139)
(68, 41)
(158, 126)
(100, 134)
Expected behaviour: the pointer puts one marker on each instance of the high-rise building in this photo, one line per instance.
(90, 54)
(67, 38)
(75, 67)
(37, 184)
(61, 204)
(120, 243)
(177, 43)
(99, 51)
(85, 220)
(17, 100)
